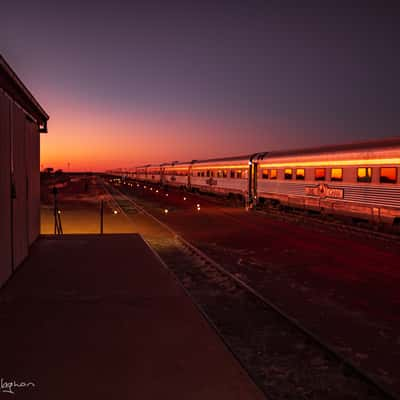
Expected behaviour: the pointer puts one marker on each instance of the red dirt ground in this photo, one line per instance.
(342, 286)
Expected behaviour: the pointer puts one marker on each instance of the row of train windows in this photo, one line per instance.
(364, 174)
(223, 173)
(176, 173)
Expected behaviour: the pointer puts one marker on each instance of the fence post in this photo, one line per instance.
(55, 209)
(101, 216)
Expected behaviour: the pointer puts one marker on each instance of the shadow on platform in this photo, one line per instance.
(90, 316)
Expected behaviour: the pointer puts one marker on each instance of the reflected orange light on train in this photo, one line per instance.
(220, 166)
(326, 163)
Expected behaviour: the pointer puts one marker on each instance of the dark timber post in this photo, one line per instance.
(101, 216)
(57, 218)
(55, 209)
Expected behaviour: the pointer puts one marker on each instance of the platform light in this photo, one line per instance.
(59, 212)
(156, 191)
(198, 208)
(198, 205)
(184, 198)
(145, 187)
(166, 211)
(151, 188)
(166, 194)
(115, 212)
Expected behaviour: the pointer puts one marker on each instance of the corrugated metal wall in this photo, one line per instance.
(20, 203)
(33, 164)
(5, 189)
(19, 162)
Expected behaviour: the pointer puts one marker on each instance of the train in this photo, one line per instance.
(358, 180)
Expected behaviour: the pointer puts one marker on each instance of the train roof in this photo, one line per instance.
(370, 145)
(245, 157)
(173, 164)
(349, 147)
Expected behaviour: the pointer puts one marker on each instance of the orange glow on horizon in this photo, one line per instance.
(86, 137)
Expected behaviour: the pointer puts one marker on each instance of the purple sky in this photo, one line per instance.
(127, 83)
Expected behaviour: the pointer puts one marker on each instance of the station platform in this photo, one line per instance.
(99, 317)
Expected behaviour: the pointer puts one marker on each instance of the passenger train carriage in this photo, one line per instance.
(224, 175)
(176, 174)
(358, 179)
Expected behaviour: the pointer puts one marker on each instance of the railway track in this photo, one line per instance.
(283, 357)
(329, 222)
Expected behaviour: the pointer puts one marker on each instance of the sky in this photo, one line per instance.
(128, 83)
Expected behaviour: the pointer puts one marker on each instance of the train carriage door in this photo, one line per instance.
(254, 177)
(252, 195)
(189, 176)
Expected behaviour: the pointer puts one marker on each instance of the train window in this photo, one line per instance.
(319, 174)
(202, 173)
(300, 174)
(337, 174)
(219, 174)
(288, 173)
(274, 174)
(208, 173)
(225, 173)
(232, 173)
(198, 173)
(212, 173)
(239, 173)
(388, 175)
(364, 174)
(265, 173)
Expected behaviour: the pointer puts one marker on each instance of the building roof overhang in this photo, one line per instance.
(14, 87)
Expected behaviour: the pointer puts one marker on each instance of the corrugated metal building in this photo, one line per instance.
(21, 121)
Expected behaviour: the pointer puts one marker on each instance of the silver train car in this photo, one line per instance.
(360, 180)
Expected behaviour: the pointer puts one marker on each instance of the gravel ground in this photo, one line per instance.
(342, 286)
(282, 360)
